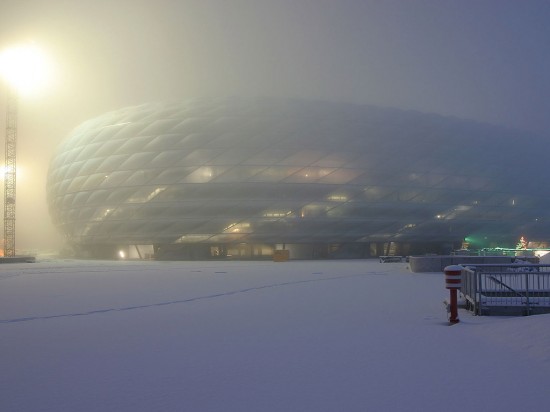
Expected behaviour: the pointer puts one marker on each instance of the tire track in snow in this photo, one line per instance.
(189, 300)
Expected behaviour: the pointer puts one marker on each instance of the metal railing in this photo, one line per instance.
(513, 289)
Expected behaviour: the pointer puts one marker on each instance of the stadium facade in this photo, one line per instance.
(240, 178)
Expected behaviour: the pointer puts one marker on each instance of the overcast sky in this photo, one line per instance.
(486, 60)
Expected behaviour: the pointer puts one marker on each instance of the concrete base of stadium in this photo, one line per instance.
(256, 251)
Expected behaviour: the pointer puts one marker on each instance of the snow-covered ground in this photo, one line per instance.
(256, 336)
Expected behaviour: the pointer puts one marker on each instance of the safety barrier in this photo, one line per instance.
(515, 289)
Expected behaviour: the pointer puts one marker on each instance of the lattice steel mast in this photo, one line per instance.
(10, 174)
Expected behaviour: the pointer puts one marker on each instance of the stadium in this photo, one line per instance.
(234, 178)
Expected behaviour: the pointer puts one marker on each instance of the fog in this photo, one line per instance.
(485, 60)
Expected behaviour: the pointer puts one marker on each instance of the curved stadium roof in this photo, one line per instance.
(261, 170)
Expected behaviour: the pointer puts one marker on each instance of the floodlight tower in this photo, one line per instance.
(25, 69)
(10, 176)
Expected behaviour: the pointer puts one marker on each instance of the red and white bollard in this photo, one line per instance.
(453, 282)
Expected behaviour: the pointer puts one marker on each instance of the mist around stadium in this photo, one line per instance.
(471, 60)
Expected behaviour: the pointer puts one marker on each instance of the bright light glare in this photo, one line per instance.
(20, 172)
(26, 68)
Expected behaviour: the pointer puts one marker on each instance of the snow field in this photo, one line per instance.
(256, 336)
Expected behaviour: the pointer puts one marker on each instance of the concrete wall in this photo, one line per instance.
(438, 263)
